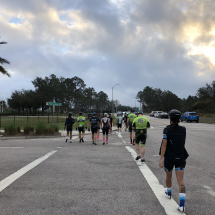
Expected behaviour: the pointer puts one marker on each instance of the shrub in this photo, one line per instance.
(51, 130)
(40, 128)
(31, 129)
(27, 129)
(10, 129)
(55, 127)
(18, 130)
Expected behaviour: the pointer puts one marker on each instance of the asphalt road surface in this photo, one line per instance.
(50, 176)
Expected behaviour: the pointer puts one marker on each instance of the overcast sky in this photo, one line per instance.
(167, 44)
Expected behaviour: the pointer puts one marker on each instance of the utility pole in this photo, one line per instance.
(112, 97)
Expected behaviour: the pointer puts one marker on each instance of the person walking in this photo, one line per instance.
(130, 120)
(119, 123)
(98, 130)
(173, 154)
(94, 124)
(111, 122)
(81, 122)
(105, 124)
(69, 124)
(140, 125)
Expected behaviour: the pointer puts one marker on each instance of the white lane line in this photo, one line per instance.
(74, 137)
(10, 179)
(11, 147)
(169, 205)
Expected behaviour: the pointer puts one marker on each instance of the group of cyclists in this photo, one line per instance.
(172, 151)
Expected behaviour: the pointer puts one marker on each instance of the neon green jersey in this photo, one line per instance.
(131, 117)
(81, 120)
(140, 122)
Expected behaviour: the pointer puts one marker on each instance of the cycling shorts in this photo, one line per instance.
(169, 165)
(130, 127)
(105, 130)
(81, 129)
(140, 137)
(69, 129)
(94, 130)
(119, 125)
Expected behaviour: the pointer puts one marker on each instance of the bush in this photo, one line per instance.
(27, 129)
(40, 128)
(49, 131)
(55, 127)
(18, 130)
(31, 129)
(10, 129)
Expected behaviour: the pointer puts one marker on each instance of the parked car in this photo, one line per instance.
(156, 113)
(152, 113)
(189, 117)
(163, 115)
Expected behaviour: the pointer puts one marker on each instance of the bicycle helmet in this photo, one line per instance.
(175, 114)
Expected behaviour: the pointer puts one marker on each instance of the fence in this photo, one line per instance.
(21, 120)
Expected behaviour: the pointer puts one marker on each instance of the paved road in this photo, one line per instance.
(81, 178)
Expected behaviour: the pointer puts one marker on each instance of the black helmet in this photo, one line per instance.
(80, 113)
(140, 112)
(70, 113)
(175, 114)
(132, 110)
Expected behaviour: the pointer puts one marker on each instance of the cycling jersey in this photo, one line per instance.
(81, 121)
(175, 149)
(94, 122)
(119, 120)
(141, 124)
(131, 117)
(69, 122)
(105, 121)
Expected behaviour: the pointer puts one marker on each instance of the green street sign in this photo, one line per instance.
(53, 104)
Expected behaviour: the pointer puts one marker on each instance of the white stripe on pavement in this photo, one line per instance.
(10, 179)
(169, 205)
(11, 147)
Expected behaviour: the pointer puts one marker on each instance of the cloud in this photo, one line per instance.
(163, 44)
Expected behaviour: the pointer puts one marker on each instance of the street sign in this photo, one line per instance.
(53, 104)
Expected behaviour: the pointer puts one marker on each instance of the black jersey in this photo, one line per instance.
(175, 143)
(69, 122)
(94, 122)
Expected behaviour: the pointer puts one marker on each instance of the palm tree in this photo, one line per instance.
(2, 61)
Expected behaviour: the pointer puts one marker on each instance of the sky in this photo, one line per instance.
(166, 44)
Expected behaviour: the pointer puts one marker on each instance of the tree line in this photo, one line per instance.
(156, 99)
(71, 92)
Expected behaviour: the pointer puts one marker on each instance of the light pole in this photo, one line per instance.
(135, 102)
(112, 96)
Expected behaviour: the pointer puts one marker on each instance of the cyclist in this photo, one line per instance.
(111, 122)
(94, 124)
(69, 124)
(140, 125)
(125, 121)
(81, 122)
(174, 153)
(130, 120)
(119, 123)
(106, 125)
(98, 131)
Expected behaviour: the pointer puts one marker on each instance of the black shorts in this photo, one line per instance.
(105, 130)
(94, 130)
(169, 165)
(81, 129)
(69, 129)
(98, 128)
(140, 136)
(119, 125)
(130, 126)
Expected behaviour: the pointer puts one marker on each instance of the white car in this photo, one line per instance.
(157, 113)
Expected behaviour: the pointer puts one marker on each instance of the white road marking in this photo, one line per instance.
(10, 179)
(58, 147)
(169, 205)
(210, 191)
(123, 141)
(11, 147)
(74, 137)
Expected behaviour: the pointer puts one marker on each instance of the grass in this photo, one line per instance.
(10, 129)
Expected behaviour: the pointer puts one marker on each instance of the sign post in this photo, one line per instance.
(53, 104)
